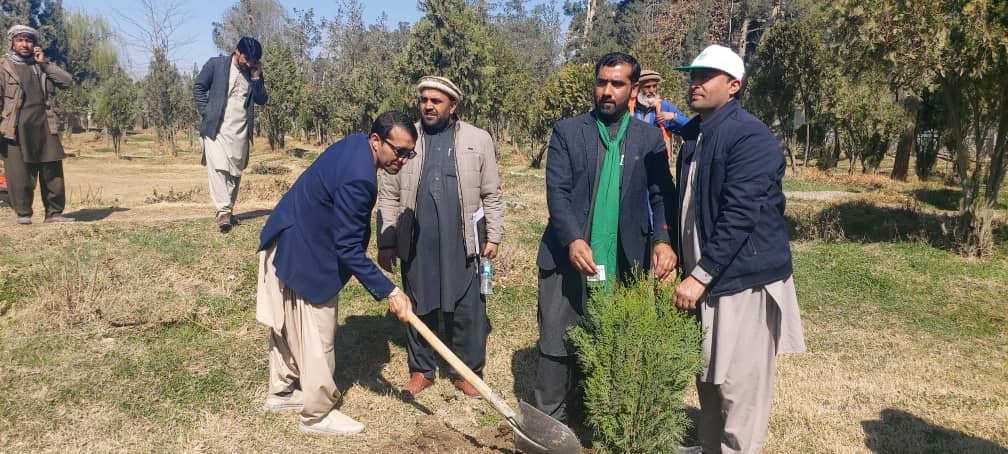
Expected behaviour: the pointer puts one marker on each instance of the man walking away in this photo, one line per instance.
(224, 92)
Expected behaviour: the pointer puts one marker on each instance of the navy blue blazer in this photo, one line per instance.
(571, 180)
(210, 92)
(740, 201)
(322, 225)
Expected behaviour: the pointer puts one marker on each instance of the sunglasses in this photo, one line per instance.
(405, 153)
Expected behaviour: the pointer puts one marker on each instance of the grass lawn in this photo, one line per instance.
(134, 331)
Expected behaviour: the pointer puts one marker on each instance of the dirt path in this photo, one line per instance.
(818, 195)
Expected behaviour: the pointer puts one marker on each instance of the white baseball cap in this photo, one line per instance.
(720, 58)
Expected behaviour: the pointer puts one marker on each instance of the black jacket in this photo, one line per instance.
(740, 202)
(646, 207)
(210, 92)
(571, 174)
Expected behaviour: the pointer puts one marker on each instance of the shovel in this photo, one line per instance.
(534, 431)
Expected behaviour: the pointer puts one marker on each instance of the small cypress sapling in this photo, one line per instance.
(638, 354)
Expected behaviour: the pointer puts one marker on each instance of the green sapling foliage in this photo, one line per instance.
(638, 354)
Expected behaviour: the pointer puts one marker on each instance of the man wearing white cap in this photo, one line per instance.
(430, 216)
(735, 255)
(30, 126)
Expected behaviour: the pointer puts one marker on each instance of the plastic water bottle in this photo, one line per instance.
(486, 276)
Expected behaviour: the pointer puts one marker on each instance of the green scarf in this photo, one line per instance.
(605, 217)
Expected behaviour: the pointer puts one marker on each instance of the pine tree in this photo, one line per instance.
(114, 108)
(453, 41)
(165, 99)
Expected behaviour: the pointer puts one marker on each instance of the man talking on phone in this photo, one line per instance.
(29, 126)
(224, 92)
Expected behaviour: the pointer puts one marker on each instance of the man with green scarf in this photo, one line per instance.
(607, 183)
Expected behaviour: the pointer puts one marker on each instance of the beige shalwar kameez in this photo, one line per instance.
(301, 341)
(743, 333)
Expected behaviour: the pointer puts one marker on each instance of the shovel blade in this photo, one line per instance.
(538, 433)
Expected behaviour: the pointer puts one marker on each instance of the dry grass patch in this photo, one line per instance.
(89, 195)
(268, 168)
(194, 194)
(886, 392)
(262, 189)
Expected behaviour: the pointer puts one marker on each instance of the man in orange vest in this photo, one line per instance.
(650, 108)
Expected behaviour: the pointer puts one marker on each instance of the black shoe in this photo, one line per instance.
(224, 222)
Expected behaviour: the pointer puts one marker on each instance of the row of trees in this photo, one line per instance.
(920, 81)
(924, 80)
(104, 95)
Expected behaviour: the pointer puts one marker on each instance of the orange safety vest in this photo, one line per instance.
(659, 124)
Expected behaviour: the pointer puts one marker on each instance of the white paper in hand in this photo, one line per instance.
(476, 217)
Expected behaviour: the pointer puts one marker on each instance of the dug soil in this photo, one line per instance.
(433, 435)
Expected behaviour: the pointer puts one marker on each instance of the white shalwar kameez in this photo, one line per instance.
(227, 154)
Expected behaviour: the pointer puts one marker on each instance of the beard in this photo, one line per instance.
(435, 125)
(648, 101)
(611, 108)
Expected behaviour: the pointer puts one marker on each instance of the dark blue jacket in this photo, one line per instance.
(571, 174)
(210, 92)
(740, 202)
(322, 225)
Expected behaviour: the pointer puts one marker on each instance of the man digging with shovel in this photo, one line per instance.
(313, 242)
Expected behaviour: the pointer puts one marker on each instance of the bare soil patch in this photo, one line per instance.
(434, 435)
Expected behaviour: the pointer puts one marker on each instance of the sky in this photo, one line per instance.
(194, 35)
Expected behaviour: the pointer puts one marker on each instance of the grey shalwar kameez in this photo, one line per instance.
(439, 276)
(743, 333)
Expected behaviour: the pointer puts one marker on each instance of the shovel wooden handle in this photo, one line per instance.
(460, 367)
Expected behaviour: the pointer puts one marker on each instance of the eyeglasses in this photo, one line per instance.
(404, 153)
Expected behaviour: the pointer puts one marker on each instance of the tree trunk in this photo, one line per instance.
(808, 146)
(589, 18)
(998, 165)
(905, 147)
(743, 37)
(537, 157)
(952, 95)
(789, 155)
